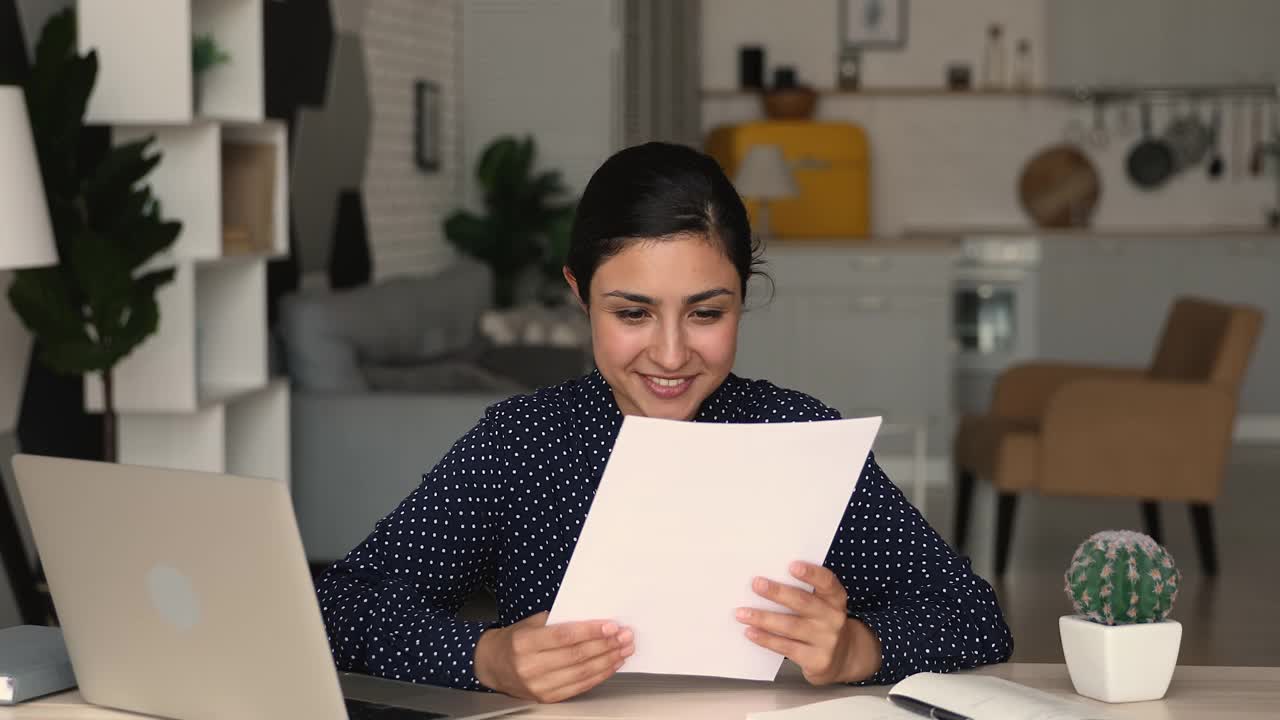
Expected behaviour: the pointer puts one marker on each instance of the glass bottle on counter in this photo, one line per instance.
(1022, 66)
(994, 75)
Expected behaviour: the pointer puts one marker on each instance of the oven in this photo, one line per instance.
(994, 311)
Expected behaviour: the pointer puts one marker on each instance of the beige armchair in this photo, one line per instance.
(1160, 433)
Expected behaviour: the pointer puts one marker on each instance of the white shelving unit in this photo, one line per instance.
(198, 394)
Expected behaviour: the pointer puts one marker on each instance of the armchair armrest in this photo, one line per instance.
(1136, 438)
(1023, 391)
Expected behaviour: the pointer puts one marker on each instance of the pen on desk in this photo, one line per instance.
(921, 707)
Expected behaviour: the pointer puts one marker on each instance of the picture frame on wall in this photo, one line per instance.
(426, 126)
(873, 24)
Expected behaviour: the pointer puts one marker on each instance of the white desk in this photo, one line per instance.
(1222, 693)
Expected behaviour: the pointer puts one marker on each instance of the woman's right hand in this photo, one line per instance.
(548, 664)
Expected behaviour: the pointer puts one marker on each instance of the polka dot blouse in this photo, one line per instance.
(503, 509)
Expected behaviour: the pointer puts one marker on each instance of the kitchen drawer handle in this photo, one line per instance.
(870, 303)
(869, 262)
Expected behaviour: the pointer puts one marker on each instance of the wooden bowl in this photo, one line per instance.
(796, 103)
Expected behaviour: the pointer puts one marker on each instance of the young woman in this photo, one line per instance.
(660, 258)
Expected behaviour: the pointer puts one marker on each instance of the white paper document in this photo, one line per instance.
(687, 514)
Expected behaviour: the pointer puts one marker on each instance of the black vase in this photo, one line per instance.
(349, 262)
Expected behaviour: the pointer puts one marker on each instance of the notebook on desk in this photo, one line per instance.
(958, 696)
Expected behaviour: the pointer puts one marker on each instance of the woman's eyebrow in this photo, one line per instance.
(690, 300)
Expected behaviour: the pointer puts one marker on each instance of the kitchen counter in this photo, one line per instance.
(941, 242)
(1154, 231)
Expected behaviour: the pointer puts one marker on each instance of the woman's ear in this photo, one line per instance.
(573, 285)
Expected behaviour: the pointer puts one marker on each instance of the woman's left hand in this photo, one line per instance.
(820, 637)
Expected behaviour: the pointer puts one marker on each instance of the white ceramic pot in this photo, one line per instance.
(1120, 663)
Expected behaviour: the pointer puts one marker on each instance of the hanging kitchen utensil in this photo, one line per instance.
(1238, 153)
(1256, 140)
(1098, 134)
(1215, 164)
(1189, 137)
(1059, 187)
(1151, 161)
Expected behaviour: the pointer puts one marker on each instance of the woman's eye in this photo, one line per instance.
(708, 314)
(632, 315)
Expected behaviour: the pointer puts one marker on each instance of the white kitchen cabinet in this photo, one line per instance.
(864, 327)
(1161, 42)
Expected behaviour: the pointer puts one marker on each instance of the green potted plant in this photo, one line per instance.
(205, 55)
(1120, 645)
(526, 221)
(98, 303)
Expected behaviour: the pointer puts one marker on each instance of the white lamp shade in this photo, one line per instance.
(765, 174)
(26, 234)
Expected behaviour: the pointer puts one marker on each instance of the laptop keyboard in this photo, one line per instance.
(361, 710)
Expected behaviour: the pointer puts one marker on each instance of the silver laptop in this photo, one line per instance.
(187, 595)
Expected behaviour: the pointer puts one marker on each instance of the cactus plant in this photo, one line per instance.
(1120, 577)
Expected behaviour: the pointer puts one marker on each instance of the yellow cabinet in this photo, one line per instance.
(831, 166)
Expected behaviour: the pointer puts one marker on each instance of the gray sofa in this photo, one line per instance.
(385, 378)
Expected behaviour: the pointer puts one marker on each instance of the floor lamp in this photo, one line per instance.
(26, 240)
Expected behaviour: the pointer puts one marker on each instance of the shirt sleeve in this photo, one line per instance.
(390, 606)
(923, 601)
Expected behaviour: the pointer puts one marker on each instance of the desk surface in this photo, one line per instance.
(1196, 692)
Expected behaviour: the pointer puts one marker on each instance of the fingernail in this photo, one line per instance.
(628, 651)
(799, 569)
(761, 585)
(626, 636)
(610, 628)
(751, 633)
(743, 614)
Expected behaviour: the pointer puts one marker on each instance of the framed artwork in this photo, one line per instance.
(873, 24)
(426, 126)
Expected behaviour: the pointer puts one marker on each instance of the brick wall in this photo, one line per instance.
(407, 40)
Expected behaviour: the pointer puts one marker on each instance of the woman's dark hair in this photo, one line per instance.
(655, 191)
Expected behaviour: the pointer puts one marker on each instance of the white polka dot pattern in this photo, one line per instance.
(504, 507)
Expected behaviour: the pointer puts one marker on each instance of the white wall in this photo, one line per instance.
(949, 161)
(406, 40)
(550, 68)
(803, 34)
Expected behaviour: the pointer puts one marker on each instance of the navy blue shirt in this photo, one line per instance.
(503, 509)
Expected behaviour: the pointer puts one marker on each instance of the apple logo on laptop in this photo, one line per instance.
(172, 595)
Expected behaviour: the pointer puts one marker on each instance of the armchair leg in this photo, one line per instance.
(1006, 505)
(1151, 519)
(964, 501)
(1202, 521)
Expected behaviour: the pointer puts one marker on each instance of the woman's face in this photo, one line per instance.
(664, 324)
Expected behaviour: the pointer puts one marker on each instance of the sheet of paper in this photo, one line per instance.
(688, 513)
(862, 707)
(988, 698)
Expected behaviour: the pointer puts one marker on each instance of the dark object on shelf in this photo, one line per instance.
(1273, 219)
(796, 103)
(350, 264)
(751, 67)
(849, 71)
(784, 78)
(1150, 162)
(959, 76)
(1059, 188)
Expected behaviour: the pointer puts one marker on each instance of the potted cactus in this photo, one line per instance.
(1120, 645)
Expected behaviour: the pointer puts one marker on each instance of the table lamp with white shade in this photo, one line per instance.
(26, 240)
(764, 176)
